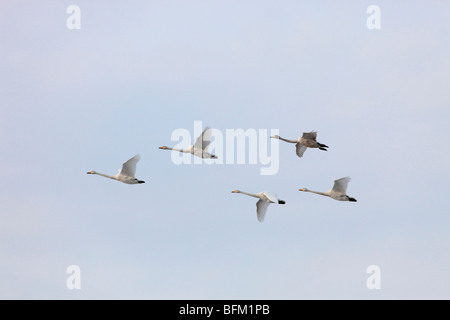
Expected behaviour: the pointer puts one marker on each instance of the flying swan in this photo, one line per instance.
(126, 175)
(265, 198)
(200, 147)
(308, 140)
(338, 192)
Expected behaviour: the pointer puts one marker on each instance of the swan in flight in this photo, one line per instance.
(265, 198)
(307, 140)
(126, 175)
(200, 147)
(338, 192)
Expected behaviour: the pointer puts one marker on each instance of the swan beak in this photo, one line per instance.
(163, 147)
(89, 172)
(301, 189)
(234, 191)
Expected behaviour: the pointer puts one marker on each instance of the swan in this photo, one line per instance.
(265, 198)
(126, 175)
(307, 140)
(200, 147)
(338, 192)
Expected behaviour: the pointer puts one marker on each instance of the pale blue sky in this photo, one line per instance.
(89, 99)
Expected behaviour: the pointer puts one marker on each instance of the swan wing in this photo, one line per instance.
(261, 209)
(340, 185)
(203, 141)
(129, 167)
(300, 149)
(271, 197)
(310, 135)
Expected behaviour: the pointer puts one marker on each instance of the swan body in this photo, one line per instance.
(126, 174)
(307, 140)
(200, 147)
(265, 198)
(338, 192)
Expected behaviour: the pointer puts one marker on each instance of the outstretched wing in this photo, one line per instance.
(300, 149)
(261, 209)
(203, 141)
(129, 167)
(340, 185)
(310, 135)
(270, 196)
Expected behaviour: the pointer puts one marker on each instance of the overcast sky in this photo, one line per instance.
(91, 98)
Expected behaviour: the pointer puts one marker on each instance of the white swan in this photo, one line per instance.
(265, 198)
(307, 140)
(200, 147)
(126, 175)
(338, 192)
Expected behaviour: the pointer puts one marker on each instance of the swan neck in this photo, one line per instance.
(104, 175)
(250, 194)
(318, 192)
(287, 140)
(176, 149)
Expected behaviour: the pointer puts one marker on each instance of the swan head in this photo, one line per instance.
(275, 137)
(164, 148)
(303, 189)
(235, 191)
(91, 172)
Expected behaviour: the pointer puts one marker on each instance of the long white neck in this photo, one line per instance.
(105, 175)
(188, 150)
(249, 194)
(321, 193)
(290, 141)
